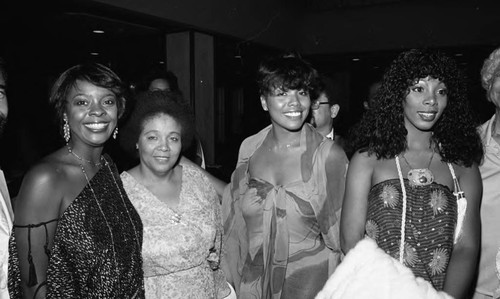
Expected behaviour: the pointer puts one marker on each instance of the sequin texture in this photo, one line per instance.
(389, 196)
(429, 228)
(438, 201)
(82, 263)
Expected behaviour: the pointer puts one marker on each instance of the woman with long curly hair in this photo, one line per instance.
(413, 184)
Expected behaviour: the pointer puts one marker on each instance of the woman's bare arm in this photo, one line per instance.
(38, 201)
(353, 217)
(464, 258)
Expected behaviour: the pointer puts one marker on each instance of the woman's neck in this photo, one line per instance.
(149, 177)
(85, 152)
(420, 141)
(284, 139)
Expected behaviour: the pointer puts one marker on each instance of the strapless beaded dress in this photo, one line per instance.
(431, 217)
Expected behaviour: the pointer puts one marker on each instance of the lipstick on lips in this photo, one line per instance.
(428, 116)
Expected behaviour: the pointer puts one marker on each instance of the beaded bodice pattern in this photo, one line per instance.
(86, 260)
(431, 216)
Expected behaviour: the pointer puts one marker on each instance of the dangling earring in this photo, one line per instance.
(66, 131)
(136, 146)
(115, 133)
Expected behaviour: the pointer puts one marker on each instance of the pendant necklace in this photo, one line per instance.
(284, 147)
(420, 176)
(94, 195)
(70, 150)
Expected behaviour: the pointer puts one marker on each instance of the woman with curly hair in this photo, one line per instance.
(417, 152)
(177, 203)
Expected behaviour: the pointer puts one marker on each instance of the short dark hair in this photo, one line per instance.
(95, 73)
(150, 104)
(286, 72)
(330, 88)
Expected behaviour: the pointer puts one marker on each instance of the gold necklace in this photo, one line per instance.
(287, 146)
(70, 150)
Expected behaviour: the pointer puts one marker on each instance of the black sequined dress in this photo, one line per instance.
(85, 260)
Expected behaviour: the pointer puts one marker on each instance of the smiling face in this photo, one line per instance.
(287, 108)
(160, 143)
(91, 112)
(424, 104)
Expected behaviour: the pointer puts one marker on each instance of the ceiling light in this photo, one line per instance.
(459, 54)
(356, 59)
(94, 53)
(98, 31)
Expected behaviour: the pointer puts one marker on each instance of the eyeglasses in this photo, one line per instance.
(315, 104)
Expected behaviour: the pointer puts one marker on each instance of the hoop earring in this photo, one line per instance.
(115, 133)
(66, 130)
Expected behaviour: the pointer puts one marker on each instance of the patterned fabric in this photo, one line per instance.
(430, 226)
(368, 272)
(81, 263)
(176, 255)
(298, 223)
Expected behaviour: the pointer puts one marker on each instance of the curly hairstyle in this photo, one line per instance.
(382, 130)
(490, 70)
(95, 73)
(150, 104)
(286, 72)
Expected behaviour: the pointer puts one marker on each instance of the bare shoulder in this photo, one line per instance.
(45, 174)
(337, 151)
(463, 171)
(469, 178)
(364, 159)
(42, 190)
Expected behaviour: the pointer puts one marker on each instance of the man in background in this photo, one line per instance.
(325, 108)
